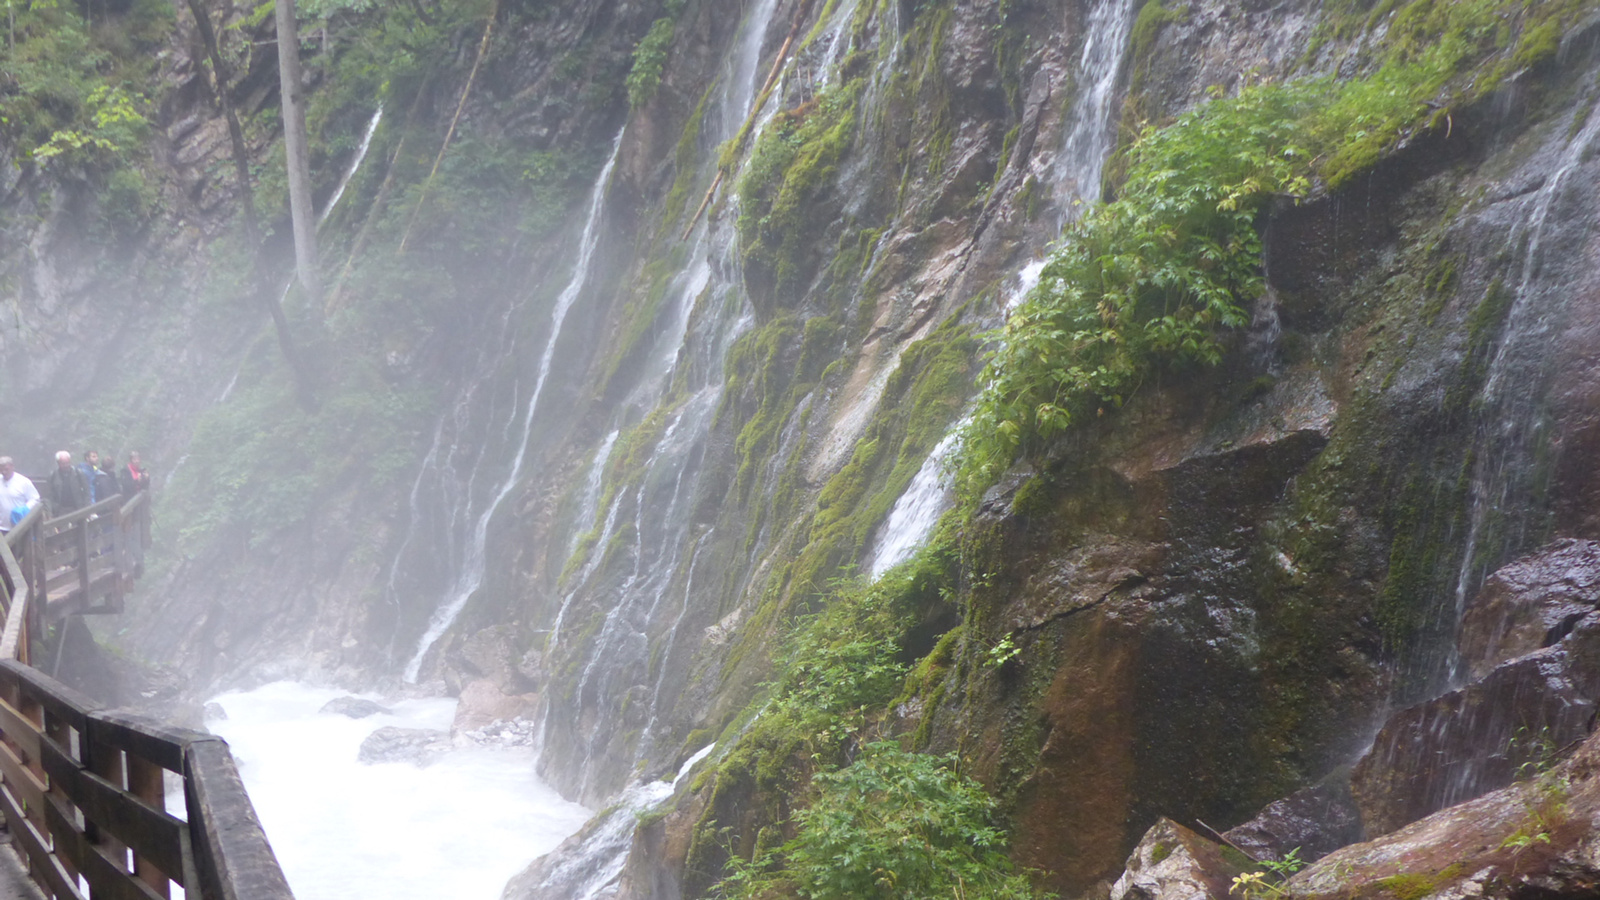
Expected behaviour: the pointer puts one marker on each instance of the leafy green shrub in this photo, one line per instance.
(1156, 277)
(648, 60)
(892, 825)
(650, 56)
(1152, 276)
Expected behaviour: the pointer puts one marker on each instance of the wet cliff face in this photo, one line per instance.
(685, 320)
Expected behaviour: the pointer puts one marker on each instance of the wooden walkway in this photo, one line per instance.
(83, 788)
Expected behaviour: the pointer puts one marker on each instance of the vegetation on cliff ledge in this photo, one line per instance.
(1158, 277)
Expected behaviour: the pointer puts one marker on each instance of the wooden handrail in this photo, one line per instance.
(104, 507)
(16, 605)
(65, 759)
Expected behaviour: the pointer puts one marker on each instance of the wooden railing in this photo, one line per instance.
(83, 788)
(86, 561)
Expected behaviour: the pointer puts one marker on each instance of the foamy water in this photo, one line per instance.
(342, 830)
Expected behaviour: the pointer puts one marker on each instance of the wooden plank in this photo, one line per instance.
(20, 779)
(19, 729)
(150, 832)
(107, 878)
(148, 782)
(57, 699)
(43, 867)
(128, 510)
(62, 580)
(73, 601)
(231, 853)
(83, 559)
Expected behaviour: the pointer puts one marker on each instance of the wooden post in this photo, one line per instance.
(58, 731)
(147, 782)
(108, 765)
(83, 563)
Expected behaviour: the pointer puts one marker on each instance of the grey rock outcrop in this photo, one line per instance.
(483, 703)
(1174, 863)
(1529, 604)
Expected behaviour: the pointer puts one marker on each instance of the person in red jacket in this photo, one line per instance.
(133, 476)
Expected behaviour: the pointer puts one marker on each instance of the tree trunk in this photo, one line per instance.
(294, 141)
(252, 230)
(241, 154)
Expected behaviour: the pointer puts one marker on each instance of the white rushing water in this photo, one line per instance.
(591, 870)
(342, 830)
(1089, 128)
(919, 508)
(470, 574)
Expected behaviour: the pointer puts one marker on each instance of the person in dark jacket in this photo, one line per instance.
(105, 482)
(69, 490)
(133, 476)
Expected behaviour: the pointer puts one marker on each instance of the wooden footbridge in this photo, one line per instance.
(85, 789)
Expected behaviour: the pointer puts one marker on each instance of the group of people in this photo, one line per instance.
(70, 487)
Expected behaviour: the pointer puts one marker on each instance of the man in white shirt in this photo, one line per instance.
(16, 493)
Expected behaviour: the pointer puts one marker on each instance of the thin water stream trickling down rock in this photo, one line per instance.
(590, 451)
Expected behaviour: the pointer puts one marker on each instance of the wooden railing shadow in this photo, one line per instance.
(84, 788)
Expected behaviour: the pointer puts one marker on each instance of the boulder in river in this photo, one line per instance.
(484, 703)
(420, 746)
(354, 707)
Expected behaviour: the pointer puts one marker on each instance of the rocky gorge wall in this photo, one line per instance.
(589, 452)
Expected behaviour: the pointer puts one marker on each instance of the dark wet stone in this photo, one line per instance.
(414, 745)
(1529, 604)
(1533, 839)
(1481, 737)
(1316, 821)
(354, 707)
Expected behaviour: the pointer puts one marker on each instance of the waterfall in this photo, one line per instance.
(650, 524)
(919, 508)
(594, 865)
(470, 574)
(1089, 131)
(1076, 172)
(591, 490)
(740, 78)
(355, 165)
(1511, 435)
